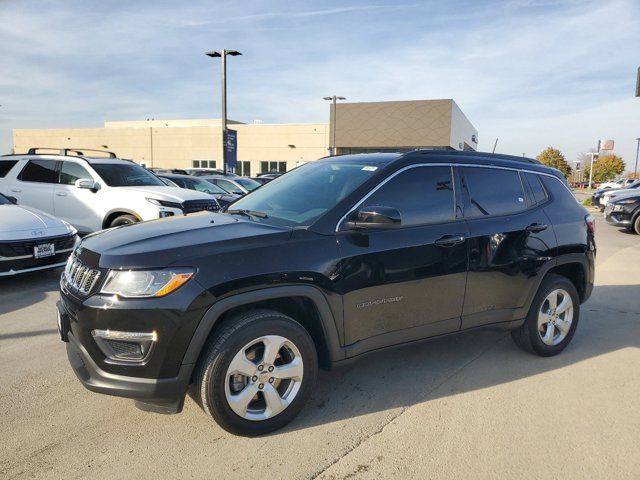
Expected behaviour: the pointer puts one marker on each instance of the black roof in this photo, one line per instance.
(448, 156)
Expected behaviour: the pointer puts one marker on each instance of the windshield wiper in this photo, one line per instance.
(249, 213)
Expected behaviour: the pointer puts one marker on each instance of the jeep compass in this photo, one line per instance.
(337, 258)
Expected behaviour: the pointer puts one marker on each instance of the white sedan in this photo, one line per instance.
(32, 240)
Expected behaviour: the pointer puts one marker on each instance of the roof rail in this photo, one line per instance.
(67, 151)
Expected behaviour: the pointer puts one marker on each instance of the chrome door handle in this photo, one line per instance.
(450, 240)
(61, 194)
(16, 190)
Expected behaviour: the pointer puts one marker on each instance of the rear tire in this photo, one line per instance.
(636, 225)
(552, 319)
(123, 220)
(257, 373)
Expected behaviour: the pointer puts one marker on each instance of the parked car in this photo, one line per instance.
(31, 240)
(201, 172)
(621, 183)
(159, 171)
(607, 195)
(270, 175)
(233, 185)
(199, 184)
(93, 193)
(332, 261)
(624, 212)
(261, 180)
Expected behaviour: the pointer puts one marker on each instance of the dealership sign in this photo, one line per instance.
(232, 148)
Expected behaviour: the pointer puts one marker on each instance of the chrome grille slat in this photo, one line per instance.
(79, 277)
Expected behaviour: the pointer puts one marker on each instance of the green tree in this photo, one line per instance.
(552, 157)
(607, 168)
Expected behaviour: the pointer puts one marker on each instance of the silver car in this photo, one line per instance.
(32, 240)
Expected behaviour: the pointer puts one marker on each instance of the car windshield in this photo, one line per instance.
(301, 196)
(126, 175)
(247, 183)
(4, 200)
(206, 187)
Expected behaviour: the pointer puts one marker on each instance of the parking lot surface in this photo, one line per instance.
(467, 406)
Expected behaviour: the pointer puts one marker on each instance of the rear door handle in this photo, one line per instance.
(61, 194)
(16, 190)
(536, 227)
(449, 240)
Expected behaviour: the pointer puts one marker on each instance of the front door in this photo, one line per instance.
(408, 282)
(78, 206)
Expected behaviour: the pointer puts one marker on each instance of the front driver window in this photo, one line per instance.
(71, 172)
(422, 195)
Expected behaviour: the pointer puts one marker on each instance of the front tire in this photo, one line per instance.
(257, 373)
(552, 319)
(123, 220)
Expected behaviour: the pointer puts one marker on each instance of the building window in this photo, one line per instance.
(273, 167)
(204, 163)
(244, 168)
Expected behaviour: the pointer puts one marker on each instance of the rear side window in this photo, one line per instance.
(537, 189)
(493, 191)
(5, 166)
(41, 171)
(422, 195)
(71, 172)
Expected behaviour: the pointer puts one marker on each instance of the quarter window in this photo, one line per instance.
(422, 195)
(41, 171)
(71, 172)
(493, 191)
(5, 166)
(537, 190)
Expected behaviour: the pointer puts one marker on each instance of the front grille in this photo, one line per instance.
(80, 277)
(192, 206)
(25, 248)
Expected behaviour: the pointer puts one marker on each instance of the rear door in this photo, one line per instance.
(403, 284)
(35, 183)
(510, 238)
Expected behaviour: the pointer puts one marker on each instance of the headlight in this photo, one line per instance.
(145, 283)
(164, 203)
(71, 228)
(619, 205)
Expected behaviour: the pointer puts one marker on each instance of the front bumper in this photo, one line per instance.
(617, 219)
(164, 395)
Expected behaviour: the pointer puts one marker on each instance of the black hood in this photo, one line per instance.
(176, 240)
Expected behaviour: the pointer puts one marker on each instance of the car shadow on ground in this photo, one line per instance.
(419, 373)
(27, 289)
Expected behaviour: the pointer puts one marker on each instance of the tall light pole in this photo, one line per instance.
(592, 155)
(333, 100)
(635, 169)
(223, 55)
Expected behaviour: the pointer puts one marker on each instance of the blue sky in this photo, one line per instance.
(531, 72)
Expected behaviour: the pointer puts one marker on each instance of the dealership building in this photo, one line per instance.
(353, 128)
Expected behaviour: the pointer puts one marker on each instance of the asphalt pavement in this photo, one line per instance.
(466, 406)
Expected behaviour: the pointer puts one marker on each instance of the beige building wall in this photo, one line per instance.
(171, 143)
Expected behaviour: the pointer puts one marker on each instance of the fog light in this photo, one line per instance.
(125, 347)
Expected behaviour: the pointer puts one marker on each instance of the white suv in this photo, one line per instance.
(93, 193)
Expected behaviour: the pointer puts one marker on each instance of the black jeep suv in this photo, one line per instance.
(337, 258)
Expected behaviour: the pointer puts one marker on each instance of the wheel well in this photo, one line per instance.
(111, 216)
(575, 273)
(302, 309)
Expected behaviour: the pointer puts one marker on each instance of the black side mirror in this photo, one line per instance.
(13, 200)
(374, 217)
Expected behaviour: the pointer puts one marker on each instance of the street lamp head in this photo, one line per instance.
(327, 98)
(341, 98)
(233, 53)
(213, 54)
